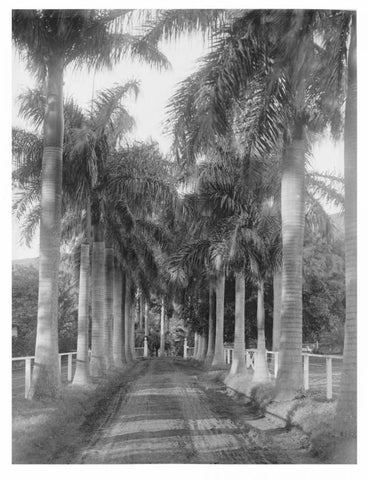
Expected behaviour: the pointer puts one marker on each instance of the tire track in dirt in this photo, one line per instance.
(168, 416)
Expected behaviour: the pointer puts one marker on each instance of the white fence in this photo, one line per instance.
(27, 364)
(273, 363)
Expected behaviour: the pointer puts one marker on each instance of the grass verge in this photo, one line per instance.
(46, 432)
(309, 412)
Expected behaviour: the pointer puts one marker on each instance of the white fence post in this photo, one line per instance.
(70, 359)
(329, 377)
(59, 363)
(276, 364)
(28, 377)
(306, 372)
(185, 352)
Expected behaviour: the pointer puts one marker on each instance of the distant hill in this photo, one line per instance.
(26, 262)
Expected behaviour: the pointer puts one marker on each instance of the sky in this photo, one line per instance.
(156, 87)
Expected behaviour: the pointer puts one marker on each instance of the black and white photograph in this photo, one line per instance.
(184, 234)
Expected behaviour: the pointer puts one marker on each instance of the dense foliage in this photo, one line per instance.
(324, 291)
(24, 308)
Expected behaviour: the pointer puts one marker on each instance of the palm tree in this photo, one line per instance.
(218, 354)
(347, 403)
(277, 291)
(81, 376)
(271, 58)
(143, 192)
(162, 336)
(49, 41)
(211, 324)
(117, 337)
(109, 308)
(238, 366)
(128, 320)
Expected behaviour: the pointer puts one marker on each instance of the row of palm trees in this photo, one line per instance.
(49, 41)
(271, 80)
(111, 202)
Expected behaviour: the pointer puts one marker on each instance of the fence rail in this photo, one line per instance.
(319, 382)
(315, 380)
(27, 364)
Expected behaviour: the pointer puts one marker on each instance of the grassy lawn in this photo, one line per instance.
(47, 431)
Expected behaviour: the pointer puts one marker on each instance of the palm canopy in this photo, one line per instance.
(222, 215)
(251, 82)
(80, 37)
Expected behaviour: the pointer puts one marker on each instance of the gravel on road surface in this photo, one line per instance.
(169, 415)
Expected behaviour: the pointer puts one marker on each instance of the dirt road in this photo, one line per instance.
(169, 415)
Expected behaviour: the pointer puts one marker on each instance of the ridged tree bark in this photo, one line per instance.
(204, 346)
(195, 346)
(127, 319)
(141, 312)
(261, 373)
(109, 305)
(289, 378)
(117, 318)
(81, 376)
(162, 336)
(146, 319)
(211, 324)
(133, 316)
(145, 353)
(46, 377)
(200, 346)
(347, 402)
(123, 288)
(218, 356)
(276, 323)
(98, 354)
(238, 364)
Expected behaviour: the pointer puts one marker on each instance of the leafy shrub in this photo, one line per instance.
(262, 395)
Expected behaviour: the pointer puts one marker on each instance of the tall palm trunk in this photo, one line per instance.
(46, 376)
(203, 346)
(200, 346)
(238, 364)
(98, 353)
(145, 353)
(117, 318)
(218, 356)
(146, 319)
(211, 324)
(127, 319)
(289, 378)
(123, 288)
(141, 312)
(162, 337)
(261, 373)
(347, 402)
(81, 376)
(109, 305)
(133, 316)
(276, 324)
(195, 346)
